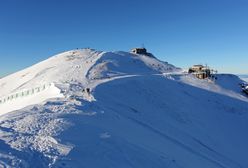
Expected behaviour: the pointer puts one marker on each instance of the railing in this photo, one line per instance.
(24, 93)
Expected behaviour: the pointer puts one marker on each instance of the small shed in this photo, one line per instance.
(139, 51)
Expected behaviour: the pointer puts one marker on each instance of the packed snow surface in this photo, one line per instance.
(116, 109)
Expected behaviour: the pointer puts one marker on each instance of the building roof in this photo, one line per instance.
(199, 65)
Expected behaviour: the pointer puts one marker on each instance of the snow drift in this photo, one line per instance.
(139, 112)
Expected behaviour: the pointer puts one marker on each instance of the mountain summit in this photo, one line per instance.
(83, 67)
(88, 108)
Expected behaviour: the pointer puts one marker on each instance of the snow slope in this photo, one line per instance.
(140, 112)
(73, 67)
(244, 77)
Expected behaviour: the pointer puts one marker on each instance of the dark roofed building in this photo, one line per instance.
(142, 51)
(139, 51)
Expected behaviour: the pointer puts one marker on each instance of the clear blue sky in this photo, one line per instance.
(182, 32)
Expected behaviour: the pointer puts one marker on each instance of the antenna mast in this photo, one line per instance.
(143, 45)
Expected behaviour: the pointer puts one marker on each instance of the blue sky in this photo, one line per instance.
(182, 32)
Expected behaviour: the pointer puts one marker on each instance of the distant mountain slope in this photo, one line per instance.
(244, 77)
(139, 112)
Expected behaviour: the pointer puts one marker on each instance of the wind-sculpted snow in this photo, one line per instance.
(122, 63)
(79, 65)
(124, 110)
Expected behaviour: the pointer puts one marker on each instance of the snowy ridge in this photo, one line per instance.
(80, 66)
(138, 112)
(225, 84)
(244, 77)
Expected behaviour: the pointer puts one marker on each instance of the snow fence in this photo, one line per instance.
(25, 93)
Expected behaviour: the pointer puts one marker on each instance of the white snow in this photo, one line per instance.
(20, 102)
(140, 112)
(225, 84)
(245, 79)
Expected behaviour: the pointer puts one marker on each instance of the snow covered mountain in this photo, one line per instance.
(87, 108)
(77, 67)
